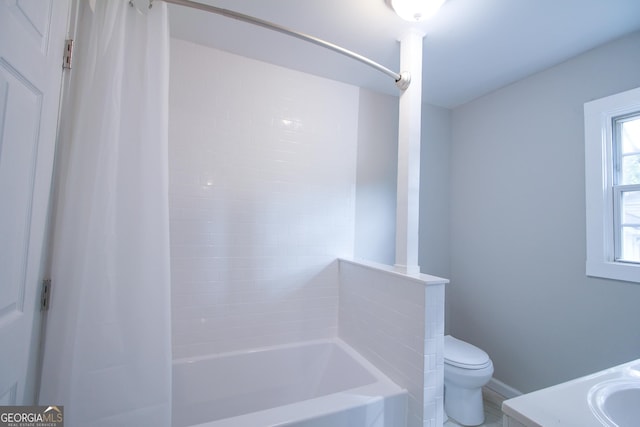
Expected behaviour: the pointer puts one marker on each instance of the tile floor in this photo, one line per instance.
(492, 413)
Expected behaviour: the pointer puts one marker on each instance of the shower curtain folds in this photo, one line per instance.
(107, 353)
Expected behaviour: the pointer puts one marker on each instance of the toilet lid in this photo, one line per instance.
(464, 355)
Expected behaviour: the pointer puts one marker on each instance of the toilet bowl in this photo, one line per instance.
(466, 370)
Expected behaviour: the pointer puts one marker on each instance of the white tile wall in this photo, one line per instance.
(262, 179)
(397, 322)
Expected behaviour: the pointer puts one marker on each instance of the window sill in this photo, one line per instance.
(614, 270)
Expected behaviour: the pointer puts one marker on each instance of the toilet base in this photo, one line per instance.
(464, 405)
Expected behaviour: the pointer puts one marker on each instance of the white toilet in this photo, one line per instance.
(466, 369)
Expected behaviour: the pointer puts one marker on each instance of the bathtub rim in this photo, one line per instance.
(369, 394)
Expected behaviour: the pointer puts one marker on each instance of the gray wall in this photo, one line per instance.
(518, 286)
(435, 194)
(376, 183)
(377, 168)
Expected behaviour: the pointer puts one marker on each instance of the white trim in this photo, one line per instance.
(424, 279)
(503, 389)
(598, 115)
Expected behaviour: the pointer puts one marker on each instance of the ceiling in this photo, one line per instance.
(471, 47)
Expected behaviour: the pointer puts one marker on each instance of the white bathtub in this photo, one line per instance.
(310, 384)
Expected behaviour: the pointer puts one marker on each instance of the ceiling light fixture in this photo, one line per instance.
(416, 10)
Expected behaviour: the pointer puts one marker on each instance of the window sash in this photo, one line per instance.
(619, 224)
(617, 147)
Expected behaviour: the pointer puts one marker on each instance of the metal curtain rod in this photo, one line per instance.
(402, 79)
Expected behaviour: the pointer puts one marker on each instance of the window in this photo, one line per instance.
(612, 166)
(626, 188)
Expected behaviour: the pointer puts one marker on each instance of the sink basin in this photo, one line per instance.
(609, 398)
(616, 403)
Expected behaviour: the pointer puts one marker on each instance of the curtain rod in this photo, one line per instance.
(402, 79)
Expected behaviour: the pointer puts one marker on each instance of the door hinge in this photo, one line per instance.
(68, 52)
(45, 295)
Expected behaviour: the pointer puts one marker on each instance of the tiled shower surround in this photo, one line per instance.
(396, 321)
(262, 203)
(262, 193)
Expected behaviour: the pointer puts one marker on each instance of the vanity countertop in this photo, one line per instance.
(565, 404)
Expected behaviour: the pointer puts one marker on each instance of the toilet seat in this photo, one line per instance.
(464, 355)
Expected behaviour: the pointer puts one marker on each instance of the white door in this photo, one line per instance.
(32, 34)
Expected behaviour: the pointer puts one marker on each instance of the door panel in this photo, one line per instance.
(18, 148)
(32, 34)
(34, 17)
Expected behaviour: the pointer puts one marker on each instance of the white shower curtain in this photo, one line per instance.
(107, 354)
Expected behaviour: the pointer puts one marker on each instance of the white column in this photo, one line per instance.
(408, 192)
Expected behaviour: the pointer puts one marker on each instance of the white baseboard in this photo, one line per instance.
(502, 389)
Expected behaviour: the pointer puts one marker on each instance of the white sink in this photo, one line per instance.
(616, 403)
(608, 398)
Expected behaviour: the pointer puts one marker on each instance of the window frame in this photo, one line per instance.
(600, 185)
